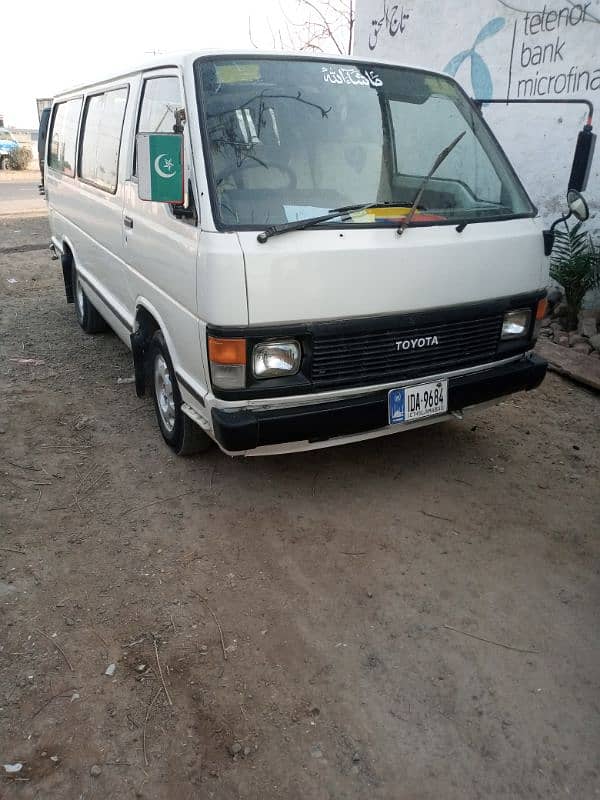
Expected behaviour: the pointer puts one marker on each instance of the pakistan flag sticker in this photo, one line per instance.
(160, 167)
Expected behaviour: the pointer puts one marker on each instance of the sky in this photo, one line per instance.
(63, 44)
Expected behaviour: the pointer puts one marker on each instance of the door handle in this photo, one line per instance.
(128, 222)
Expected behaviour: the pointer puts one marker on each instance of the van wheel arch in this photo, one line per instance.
(67, 261)
(145, 328)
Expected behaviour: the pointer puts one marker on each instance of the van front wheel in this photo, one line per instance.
(87, 316)
(179, 432)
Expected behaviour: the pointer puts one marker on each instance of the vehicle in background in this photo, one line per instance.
(300, 251)
(7, 144)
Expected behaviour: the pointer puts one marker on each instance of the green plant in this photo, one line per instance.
(575, 264)
(19, 158)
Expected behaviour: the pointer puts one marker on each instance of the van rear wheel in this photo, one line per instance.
(87, 316)
(182, 435)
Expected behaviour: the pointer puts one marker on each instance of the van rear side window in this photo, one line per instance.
(101, 138)
(63, 137)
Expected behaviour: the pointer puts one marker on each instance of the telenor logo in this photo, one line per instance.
(417, 344)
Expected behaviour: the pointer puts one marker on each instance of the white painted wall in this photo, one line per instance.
(515, 53)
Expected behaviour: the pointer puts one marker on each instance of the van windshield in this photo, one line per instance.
(288, 139)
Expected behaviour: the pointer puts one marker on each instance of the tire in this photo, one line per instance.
(182, 435)
(87, 316)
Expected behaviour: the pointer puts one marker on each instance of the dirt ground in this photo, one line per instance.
(413, 618)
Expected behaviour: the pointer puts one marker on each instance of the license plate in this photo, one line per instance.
(415, 402)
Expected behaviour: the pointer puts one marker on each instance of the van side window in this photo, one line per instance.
(161, 97)
(63, 137)
(101, 138)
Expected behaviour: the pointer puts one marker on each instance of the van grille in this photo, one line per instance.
(365, 358)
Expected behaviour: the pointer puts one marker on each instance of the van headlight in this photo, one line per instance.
(516, 323)
(276, 359)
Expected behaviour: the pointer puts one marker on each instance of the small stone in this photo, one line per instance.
(356, 758)
(316, 751)
(69, 621)
(587, 324)
(203, 649)
(562, 339)
(595, 341)
(582, 347)
(369, 594)
(141, 667)
(110, 670)
(247, 751)
(235, 748)
(56, 759)
(95, 771)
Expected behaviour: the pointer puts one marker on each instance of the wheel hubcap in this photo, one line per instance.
(164, 393)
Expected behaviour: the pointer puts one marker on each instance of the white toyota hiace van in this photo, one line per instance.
(299, 251)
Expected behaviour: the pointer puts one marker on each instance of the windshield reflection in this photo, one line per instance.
(291, 139)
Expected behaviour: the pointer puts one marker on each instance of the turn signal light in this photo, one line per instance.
(226, 351)
(227, 362)
(540, 312)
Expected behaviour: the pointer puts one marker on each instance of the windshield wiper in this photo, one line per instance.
(439, 159)
(301, 224)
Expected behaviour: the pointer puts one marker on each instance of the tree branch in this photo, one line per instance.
(250, 33)
(325, 22)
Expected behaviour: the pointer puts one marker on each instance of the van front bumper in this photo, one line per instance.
(243, 430)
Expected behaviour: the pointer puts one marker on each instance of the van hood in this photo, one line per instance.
(326, 274)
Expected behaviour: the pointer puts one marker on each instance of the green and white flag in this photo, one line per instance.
(160, 167)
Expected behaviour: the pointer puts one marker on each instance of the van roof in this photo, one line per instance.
(186, 58)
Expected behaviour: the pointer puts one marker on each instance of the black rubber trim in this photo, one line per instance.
(109, 305)
(246, 429)
(67, 271)
(189, 389)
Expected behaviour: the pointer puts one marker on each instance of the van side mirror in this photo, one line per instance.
(160, 167)
(582, 160)
(578, 205)
(578, 208)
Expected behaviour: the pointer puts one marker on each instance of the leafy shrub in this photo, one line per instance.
(19, 158)
(575, 264)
